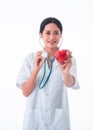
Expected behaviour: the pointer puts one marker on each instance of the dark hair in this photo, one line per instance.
(50, 20)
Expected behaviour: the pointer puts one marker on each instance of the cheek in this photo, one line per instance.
(58, 41)
(45, 42)
(58, 38)
(44, 39)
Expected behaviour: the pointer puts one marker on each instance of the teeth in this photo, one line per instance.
(51, 42)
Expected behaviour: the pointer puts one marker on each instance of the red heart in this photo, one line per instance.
(61, 55)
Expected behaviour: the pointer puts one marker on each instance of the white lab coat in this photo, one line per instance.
(47, 108)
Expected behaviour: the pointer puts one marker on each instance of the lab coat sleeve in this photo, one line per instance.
(25, 70)
(73, 72)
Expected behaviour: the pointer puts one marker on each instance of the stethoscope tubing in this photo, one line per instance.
(41, 85)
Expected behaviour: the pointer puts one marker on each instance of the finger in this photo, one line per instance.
(68, 60)
(38, 53)
(66, 63)
(69, 53)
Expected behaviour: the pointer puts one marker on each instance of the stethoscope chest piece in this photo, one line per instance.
(44, 54)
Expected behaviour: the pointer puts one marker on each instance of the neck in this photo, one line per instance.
(51, 52)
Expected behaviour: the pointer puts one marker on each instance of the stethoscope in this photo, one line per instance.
(44, 81)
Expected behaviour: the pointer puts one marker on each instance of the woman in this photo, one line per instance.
(44, 81)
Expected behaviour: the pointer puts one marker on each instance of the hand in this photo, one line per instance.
(62, 55)
(39, 60)
(66, 65)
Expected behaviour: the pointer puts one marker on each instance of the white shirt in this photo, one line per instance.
(47, 108)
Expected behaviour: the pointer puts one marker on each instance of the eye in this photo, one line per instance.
(47, 33)
(56, 32)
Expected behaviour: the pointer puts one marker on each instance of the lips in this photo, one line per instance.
(62, 55)
(52, 42)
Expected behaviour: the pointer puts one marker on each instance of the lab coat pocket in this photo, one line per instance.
(62, 119)
(30, 119)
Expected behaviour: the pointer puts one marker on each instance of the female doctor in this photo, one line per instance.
(44, 81)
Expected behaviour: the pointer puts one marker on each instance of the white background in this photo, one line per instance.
(19, 35)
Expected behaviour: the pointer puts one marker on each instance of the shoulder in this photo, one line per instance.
(30, 56)
(29, 59)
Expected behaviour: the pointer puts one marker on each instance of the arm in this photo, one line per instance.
(26, 79)
(29, 85)
(69, 79)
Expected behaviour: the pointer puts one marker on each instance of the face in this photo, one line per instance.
(51, 35)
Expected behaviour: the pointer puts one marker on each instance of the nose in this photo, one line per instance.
(52, 36)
